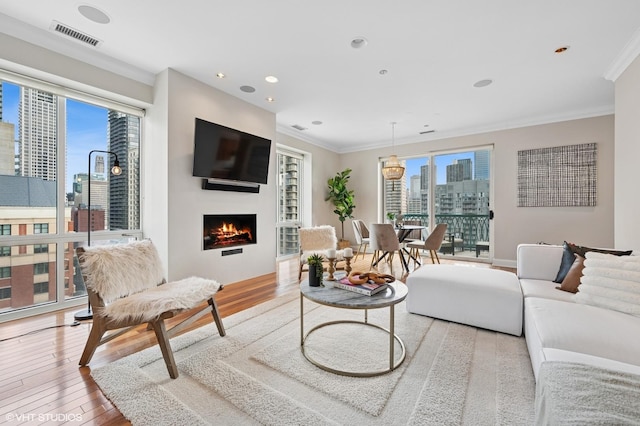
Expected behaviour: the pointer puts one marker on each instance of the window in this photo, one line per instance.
(54, 130)
(5, 293)
(41, 248)
(289, 219)
(40, 228)
(5, 272)
(40, 268)
(40, 288)
(450, 188)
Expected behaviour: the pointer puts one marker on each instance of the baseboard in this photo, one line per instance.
(505, 263)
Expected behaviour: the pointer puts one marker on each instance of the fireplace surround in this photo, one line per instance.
(228, 230)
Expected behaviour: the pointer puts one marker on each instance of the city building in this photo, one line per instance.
(124, 199)
(460, 170)
(481, 164)
(37, 128)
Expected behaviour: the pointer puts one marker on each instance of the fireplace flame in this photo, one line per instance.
(228, 232)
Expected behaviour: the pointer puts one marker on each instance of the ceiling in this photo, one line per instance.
(417, 69)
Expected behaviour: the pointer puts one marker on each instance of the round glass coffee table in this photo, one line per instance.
(395, 293)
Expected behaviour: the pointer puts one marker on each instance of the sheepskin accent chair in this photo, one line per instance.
(126, 288)
(317, 239)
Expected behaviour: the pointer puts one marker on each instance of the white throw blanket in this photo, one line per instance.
(127, 278)
(579, 394)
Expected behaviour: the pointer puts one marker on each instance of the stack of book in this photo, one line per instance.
(368, 288)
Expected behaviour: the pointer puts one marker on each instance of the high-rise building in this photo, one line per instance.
(459, 171)
(124, 199)
(7, 144)
(37, 117)
(424, 189)
(289, 170)
(413, 202)
(99, 167)
(481, 165)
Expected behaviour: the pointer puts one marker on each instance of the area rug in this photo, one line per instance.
(453, 374)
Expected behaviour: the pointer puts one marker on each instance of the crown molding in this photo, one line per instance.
(628, 54)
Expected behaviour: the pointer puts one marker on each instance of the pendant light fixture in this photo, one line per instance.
(392, 169)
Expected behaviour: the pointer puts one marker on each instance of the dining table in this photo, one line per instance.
(403, 232)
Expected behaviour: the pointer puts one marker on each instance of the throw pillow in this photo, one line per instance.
(568, 257)
(572, 279)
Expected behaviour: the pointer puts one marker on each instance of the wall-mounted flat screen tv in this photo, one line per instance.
(223, 153)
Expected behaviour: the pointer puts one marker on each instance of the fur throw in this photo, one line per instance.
(127, 278)
(149, 304)
(318, 238)
(115, 271)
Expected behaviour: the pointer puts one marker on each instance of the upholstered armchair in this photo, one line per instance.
(318, 239)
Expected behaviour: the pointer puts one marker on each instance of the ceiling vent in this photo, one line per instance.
(74, 34)
(299, 127)
(427, 131)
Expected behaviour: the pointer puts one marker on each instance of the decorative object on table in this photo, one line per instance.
(348, 255)
(392, 169)
(315, 269)
(369, 283)
(343, 200)
(331, 256)
(391, 217)
(560, 176)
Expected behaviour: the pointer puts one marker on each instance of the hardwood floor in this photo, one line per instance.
(40, 378)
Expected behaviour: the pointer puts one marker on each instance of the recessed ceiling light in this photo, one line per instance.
(359, 42)
(270, 99)
(94, 14)
(220, 75)
(383, 72)
(271, 79)
(247, 89)
(562, 49)
(316, 122)
(483, 83)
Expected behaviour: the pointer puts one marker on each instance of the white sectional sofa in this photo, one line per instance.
(559, 329)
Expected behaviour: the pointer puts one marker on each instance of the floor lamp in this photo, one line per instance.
(115, 170)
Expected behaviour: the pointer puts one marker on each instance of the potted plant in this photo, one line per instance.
(343, 200)
(315, 269)
(391, 218)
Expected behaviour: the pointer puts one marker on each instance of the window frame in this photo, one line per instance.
(60, 237)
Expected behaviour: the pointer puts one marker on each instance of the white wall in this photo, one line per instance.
(627, 157)
(591, 226)
(188, 202)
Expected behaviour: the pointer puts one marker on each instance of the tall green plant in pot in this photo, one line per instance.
(342, 198)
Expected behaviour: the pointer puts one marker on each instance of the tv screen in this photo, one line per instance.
(229, 154)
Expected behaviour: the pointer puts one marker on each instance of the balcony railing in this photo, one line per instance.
(470, 227)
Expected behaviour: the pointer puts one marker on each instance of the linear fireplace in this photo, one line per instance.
(228, 230)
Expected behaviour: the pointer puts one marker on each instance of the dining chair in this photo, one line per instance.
(361, 233)
(384, 243)
(432, 243)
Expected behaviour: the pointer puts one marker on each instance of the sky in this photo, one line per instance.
(86, 130)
